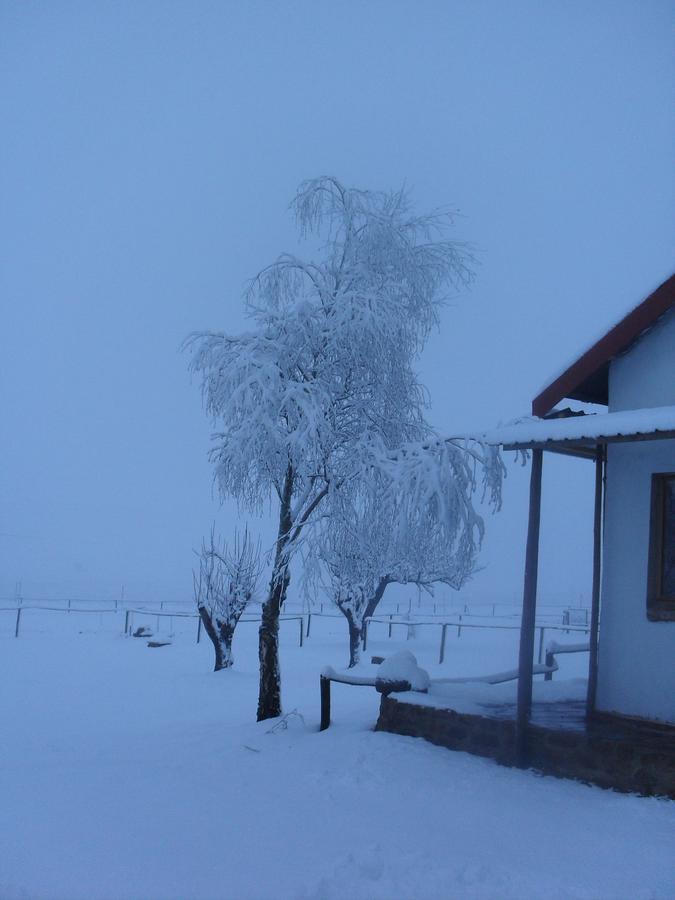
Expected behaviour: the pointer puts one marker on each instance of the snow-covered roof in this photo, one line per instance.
(586, 378)
(657, 422)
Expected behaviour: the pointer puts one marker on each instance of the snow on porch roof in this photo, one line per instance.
(579, 434)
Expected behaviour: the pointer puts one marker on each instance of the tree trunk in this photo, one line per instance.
(269, 693)
(225, 635)
(355, 637)
(221, 634)
(356, 622)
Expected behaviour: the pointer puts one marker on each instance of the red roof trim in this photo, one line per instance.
(585, 379)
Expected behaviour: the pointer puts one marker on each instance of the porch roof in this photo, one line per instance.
(579, 435)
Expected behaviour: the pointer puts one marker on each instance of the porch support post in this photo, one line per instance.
(527, 623)
(595, 595)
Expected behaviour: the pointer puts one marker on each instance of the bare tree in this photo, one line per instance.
(224, 583)
(326, 372)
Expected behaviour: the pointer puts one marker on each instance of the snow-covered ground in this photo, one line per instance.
(130, 772)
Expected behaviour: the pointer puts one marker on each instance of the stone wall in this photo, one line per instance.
(626, 760)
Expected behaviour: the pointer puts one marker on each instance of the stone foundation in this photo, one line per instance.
(609, 753)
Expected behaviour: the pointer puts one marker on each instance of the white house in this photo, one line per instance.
(631, 683)
(631, 371)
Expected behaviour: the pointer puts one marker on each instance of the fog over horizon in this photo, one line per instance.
(149, 154)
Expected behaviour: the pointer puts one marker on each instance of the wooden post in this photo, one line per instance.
(199, 628)
(18, 621)
(550, 659)
(444, 630)
(365, 635)
(541, 644)
(595, 595)
(324, 684)
(527, 622)
(302, 628)
(309, 623)
(126, 622)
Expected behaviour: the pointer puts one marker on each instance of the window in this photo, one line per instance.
(661, 583)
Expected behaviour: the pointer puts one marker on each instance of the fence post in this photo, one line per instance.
(391, 616)
(309, 622)
(443, 633)
(69, 601)
(324, 684)
(550, 659)
(365, 634)
(541, 644)
(199, 627)
(18, 619)
(126, 622)
(459, 627)
(302, 628)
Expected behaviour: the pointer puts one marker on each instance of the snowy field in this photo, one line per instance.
(130, 772)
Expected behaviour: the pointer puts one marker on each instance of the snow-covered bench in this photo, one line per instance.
(500, 677)
(554, 648)
(398, 672)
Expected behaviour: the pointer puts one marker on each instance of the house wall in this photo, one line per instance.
(636, 660)
(645, 375)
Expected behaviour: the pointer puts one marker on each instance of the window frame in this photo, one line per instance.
(660, 607)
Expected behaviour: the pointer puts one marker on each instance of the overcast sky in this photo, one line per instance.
(148, 154)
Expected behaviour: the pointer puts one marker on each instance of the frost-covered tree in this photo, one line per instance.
(409, 518)
(325, 372)
(224, 583)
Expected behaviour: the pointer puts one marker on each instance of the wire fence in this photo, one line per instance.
(130, 613)
(460, 623)
(133, 614)
(440, 609)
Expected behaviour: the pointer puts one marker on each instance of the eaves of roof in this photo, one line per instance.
(587, 378)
